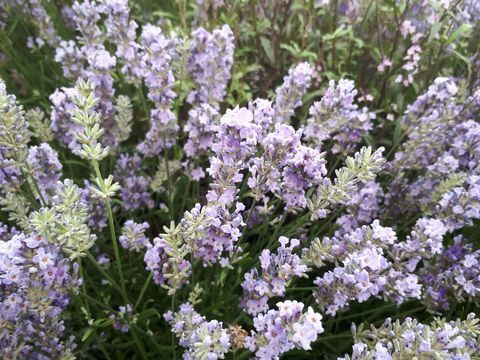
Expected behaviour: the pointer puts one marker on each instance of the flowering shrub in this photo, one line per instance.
(230, 179)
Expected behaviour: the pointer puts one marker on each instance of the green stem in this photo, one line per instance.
(116, 249)
(301, 289)
(97, 303)
(84, 286)
(171, 211)
(102, 349)
(37, 188)
(144, 289)
(111, 225)
(138, 343)
(103, 272)
(173, 335)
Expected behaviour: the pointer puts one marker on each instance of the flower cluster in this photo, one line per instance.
(399, 340)
(456, 273)
(277, 270)
(203, 339)
(166, 259)
(159, 79)
(289, 95)
(359, 169)
(133, 236)
(134, 192)
(335, 117)
(209, 62)
(278, 331)
(14, 136)
(45, 167)
(286, 168)
(65, 222)
(373, 263)
(34, 279)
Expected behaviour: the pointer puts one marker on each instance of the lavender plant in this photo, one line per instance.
(239, 179)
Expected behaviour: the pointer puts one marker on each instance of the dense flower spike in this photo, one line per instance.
(289, 95)
(362, 208)
(455, 273)
(360, 168)
(45, 167)
(34, 279)
(397, 340)
(277, 270)
(203, 339)
(278, 331)
(133, 236)
(427, 121)
(209, 63)
(39, 125)
(337, 118)
(65, 222)
(157, 62)
(14, 133)
(374, 263)
(166, 259)
(286, 168)
(134, 192)
(121, 31)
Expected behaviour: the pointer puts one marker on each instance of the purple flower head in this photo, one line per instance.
(278, 331)
(289, 94)
(276, 270)
(133, 236)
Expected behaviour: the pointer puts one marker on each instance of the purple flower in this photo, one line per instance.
(278, 331)
(335, 117)
(45, 167)
(200, 337)
(133, 236)
(157, 62)
(135, 187)
(33, 275)
(276, 270)
(289, 96)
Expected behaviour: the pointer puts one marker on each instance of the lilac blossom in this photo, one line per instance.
(63, 127)
(157, 61)
(436, 111)
(209, 63)
(362, 208)
(456, 273)
(121, 31)
(286, 168)
(133, 236)
(335, 117)
(289, 95)
(276, 270)
(100, 65)
(166, 260)
(33, 275)
(45, 167)
(374, 263)
(409, 338)
(278, 331)
(234, 144)
(135, 186)
(201, 338)
(201, 125)
(96, 207)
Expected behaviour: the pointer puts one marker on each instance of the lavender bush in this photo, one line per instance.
(232, 179)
